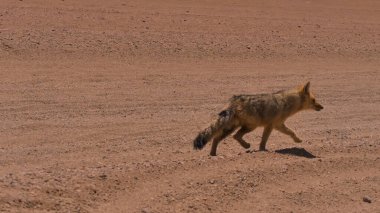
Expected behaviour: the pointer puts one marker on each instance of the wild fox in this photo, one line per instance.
(251, 111)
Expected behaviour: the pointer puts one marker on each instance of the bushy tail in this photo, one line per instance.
(224, 121)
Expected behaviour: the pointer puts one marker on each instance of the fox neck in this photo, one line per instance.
(294, 104)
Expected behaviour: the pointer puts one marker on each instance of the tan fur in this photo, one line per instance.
(251, 111)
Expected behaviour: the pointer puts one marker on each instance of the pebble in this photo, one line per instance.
(145, 210)
(367, 199)
(103, 176)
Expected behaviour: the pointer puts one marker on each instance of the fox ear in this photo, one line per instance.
(306, 88)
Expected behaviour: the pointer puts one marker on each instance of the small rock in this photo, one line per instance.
(212, 181)
(145, 210)
(367, 199)
(193, 207)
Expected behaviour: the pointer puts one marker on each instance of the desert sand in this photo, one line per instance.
(100, 102)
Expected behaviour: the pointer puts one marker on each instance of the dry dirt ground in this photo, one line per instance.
(100, 102)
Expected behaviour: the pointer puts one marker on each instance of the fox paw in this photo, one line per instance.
(297, 140)
(246, 145)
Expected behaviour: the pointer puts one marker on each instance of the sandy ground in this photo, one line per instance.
(100, 102)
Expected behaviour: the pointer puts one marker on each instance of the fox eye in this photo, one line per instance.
(313, 101)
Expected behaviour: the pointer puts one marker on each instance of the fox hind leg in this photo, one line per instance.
(239, 136)
(264, 139)
(220, 137)
(284, 129)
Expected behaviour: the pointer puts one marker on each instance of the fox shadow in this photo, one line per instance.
(300, 152)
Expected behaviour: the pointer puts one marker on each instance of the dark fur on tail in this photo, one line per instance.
(200, 141)
(207, 134)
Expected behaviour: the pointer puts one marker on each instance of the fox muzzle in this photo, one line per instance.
(318, 107)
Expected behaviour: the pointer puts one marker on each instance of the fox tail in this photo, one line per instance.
(224, 121)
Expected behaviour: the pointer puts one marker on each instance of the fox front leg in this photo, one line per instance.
(284, 129)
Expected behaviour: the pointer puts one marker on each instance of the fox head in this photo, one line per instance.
(308, 98)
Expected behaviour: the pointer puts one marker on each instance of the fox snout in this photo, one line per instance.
(318, 107)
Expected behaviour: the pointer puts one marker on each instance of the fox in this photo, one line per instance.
(247, 112)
